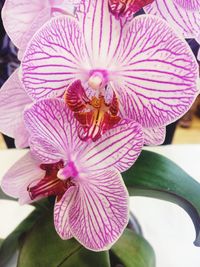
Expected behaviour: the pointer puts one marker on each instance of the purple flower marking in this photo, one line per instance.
(189, 4)
(91, 198)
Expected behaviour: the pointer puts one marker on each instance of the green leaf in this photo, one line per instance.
(133, 250)
(43, 247)
(1, 241)
(87, 258)
(11, 243)
(156, 176)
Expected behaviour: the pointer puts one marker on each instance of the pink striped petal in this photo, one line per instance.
(118, 148)
(157, 76)
(43, 16)
(19, 15)
(19, 176)
(61, 213)
(189, 4)
(54, 58)
(187, 22)
(99, 212)
(154, 136)
(53, 131)
(22, 18)
(13, 100)
(102, 32)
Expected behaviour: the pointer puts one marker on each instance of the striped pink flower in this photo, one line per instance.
(143, 70)
(91, 198)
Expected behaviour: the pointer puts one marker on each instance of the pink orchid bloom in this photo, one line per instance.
(183, 15)
(106, 70)
(22, 18)
(126, 8)
(91, 198)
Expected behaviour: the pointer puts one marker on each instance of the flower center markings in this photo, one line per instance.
(126, 8)
(57, 180)
(95, 106)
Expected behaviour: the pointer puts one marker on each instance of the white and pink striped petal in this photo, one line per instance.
(189, 4)
(118, 148)
(54, 58)
(61, 213)
(53, 131)
(99, 212)
(156, 77)
(154, 136)
(13, 99)
(101, 31)
(19, 176)
(185, 21)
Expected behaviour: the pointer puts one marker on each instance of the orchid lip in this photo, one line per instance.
(126, 8)
(53, 184)
(94, 114)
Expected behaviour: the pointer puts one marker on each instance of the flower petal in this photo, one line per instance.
(13, 100)
(61, 213)
(18, 16)
(189, 4)
(157, 76)
(185, 21)
(53, 130)
(22, 18)
(154, 136)
(99, 212)
(43, 16)
(19, 176)
(118, 148)
(102, 32)
(54, 58)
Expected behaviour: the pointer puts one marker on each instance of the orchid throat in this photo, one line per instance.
(57, 180)
(95, 107)
(126, 8)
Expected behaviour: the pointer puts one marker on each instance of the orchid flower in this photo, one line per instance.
(107, 71)
(126, 8)
(183, 15)
(22, 18)
(91, 198)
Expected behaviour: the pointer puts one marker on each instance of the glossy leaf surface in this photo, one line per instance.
(11, 243)
(45, 248)
(134, 251)
(156, 176)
